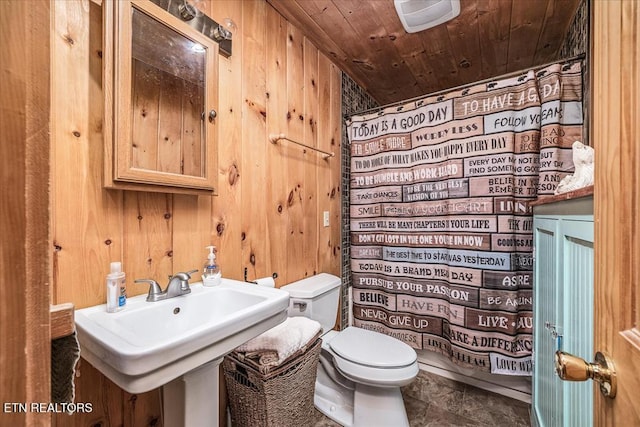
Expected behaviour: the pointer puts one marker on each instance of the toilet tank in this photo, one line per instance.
(315, 297)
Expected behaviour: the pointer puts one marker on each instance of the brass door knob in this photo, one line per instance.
(572, 368)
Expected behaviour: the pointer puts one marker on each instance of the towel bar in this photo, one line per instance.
(274, 138)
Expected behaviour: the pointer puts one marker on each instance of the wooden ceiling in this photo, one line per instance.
(489, 38)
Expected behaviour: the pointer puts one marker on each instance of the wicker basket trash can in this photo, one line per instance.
(281, 397)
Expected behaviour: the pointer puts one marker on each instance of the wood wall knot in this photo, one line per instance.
(333, 193)
(68, 39)
(57, 247)
(170, 254)
(363, 63)
(76, 133)
(243, 236)
(220, 228)
(167, 215)
(252, 259)
(233, 174)
(290, 199)
(108, 242)
(279, 208)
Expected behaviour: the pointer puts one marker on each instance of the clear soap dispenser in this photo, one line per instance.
(116, 288)
(211, 275)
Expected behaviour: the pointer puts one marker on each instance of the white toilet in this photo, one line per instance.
(360, 372)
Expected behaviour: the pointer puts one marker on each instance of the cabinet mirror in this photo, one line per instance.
(160, 90)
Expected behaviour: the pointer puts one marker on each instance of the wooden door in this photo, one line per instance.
(616, 139)
(25, 271)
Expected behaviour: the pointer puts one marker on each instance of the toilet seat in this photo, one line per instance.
(372, 349)
(372, 358)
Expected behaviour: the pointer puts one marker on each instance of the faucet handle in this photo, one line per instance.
(184, 275)
(154, 288)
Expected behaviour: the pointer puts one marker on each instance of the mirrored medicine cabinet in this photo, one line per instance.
(160, 87)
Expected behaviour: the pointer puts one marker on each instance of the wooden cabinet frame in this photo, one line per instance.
(119, 169)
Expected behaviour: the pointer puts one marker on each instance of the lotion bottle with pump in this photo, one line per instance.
(116, 289)
(211, 275)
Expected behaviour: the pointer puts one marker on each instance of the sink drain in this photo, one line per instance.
(176, 310)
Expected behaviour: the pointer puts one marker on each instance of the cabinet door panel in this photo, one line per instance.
(577, 316)
(563, 310)
(547, 388)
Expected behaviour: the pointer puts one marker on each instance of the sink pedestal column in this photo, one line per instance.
(192, 400)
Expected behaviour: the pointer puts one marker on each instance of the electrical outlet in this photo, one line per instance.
(326, 218)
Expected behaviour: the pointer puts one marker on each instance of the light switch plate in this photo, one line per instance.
(326, 218)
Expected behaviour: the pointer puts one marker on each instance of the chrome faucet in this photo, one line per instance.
(178, 285)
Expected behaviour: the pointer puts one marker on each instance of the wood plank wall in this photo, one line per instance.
(24, 216)
(267, 217)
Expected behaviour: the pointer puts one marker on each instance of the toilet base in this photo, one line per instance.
(331, 398)
(377, 406)
(360, 406)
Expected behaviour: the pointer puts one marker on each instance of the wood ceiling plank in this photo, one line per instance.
(293, 12)
(554, 29)
(359, 54)
(494, 21)
(333, 22)
(367, 41)
(394, 79)
(464, 35)
(527, 18)
(438, 50)
(410, 48)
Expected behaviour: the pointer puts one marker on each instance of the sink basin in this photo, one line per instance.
(149, 344)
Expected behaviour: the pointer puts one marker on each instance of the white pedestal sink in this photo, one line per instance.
(178, 343)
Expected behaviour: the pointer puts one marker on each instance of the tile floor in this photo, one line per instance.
(434, 401)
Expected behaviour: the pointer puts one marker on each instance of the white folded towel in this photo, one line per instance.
(283, 339)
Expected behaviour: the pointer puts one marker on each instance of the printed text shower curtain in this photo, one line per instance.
(441, 227)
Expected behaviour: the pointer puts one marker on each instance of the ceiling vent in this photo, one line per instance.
(418, 15)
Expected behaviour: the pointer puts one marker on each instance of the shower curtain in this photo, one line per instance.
(441, 227)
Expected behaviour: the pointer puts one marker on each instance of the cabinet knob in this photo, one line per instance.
(573, 368)
(212, 115)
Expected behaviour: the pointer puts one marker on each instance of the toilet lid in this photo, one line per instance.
(372, 348)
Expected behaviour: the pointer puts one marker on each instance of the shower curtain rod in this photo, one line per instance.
(511, 74)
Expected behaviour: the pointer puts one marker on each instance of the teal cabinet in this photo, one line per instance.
(563, 310)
